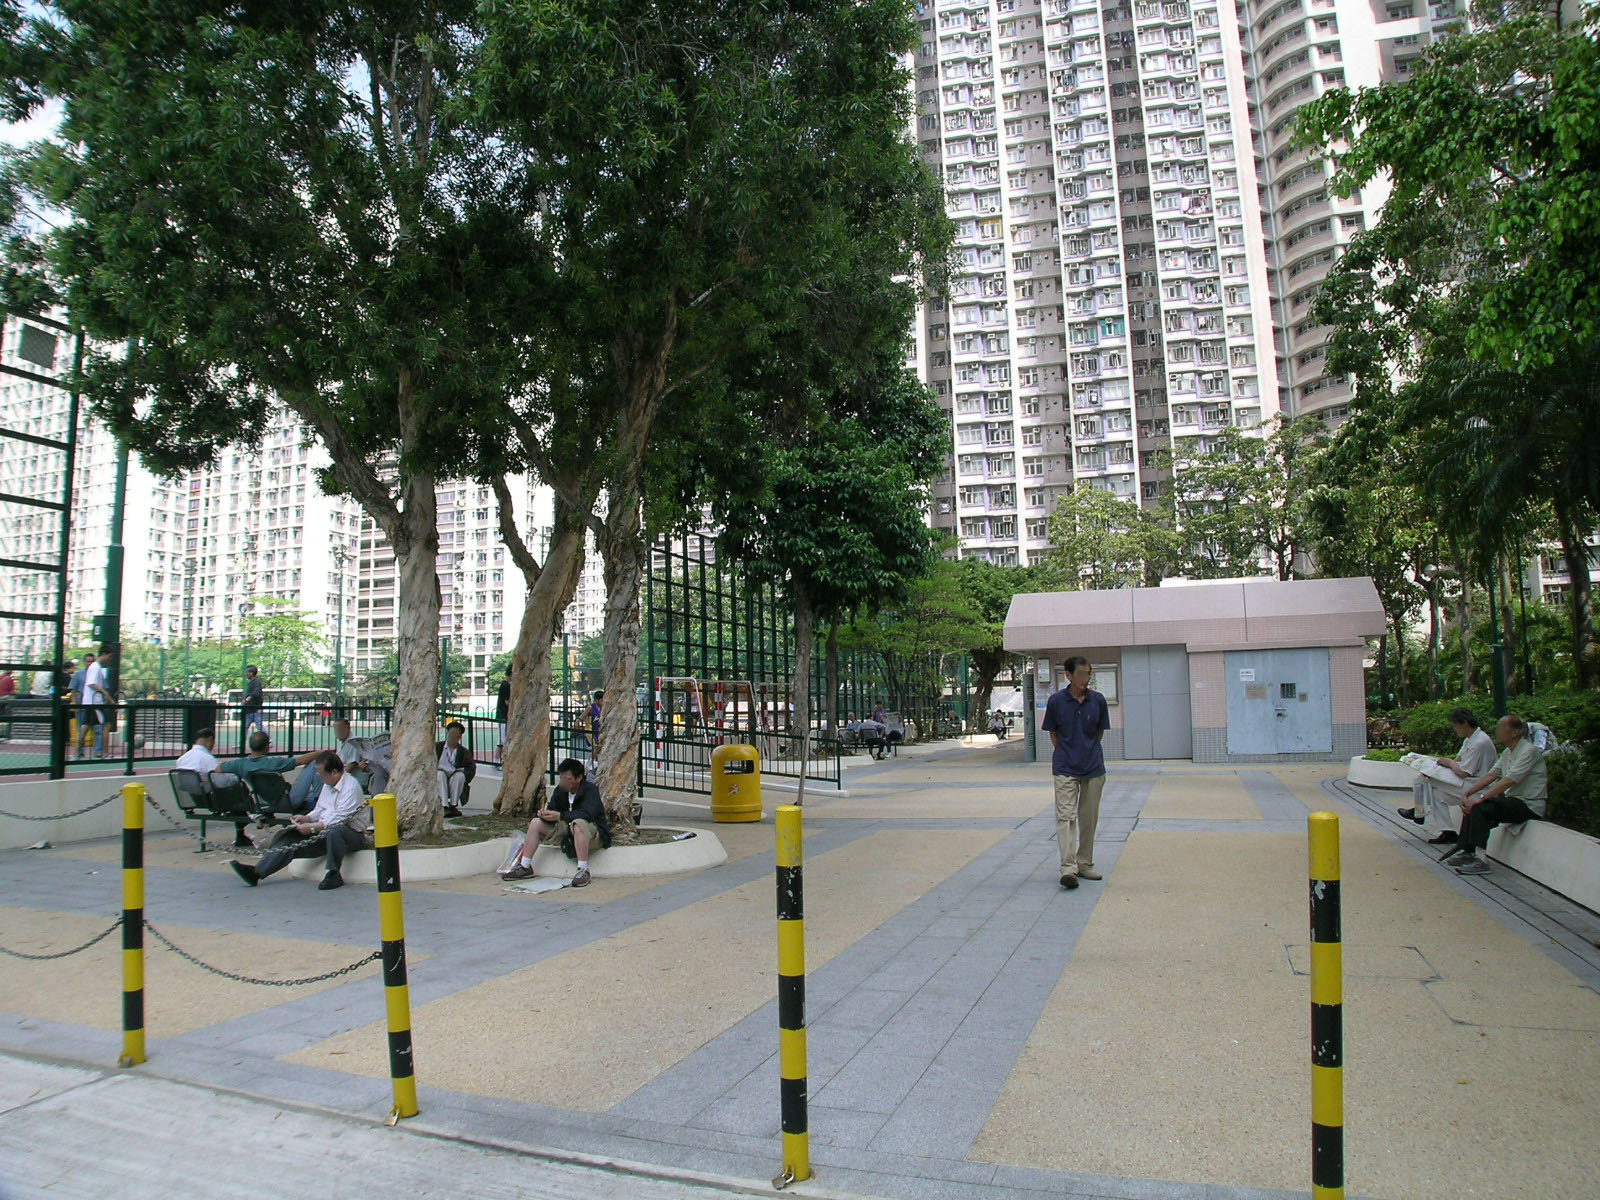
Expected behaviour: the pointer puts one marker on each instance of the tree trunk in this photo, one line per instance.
(522, 789)
(1580, 599)
(412, 735)
(623, 549)
(1433, 639)
(1508, 629)
(1464, 618)
(1403, 686)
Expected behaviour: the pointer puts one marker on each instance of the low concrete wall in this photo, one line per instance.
(705, 849)
(1562, 859)
(1365, 772)
(51, 797)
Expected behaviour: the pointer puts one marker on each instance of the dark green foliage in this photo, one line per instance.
(1384, 755)
(1574, 790)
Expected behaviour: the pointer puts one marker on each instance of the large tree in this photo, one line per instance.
(1491, 151)
(830, 507)
(717, 180)
(1102, 540)
(297, 204)
(990, 588)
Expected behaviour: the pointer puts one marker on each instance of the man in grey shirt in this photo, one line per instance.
(1514, 789)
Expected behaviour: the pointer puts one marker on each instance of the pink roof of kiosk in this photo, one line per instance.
(1231, 615)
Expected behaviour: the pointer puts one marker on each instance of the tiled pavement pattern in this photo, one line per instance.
(914, 1029)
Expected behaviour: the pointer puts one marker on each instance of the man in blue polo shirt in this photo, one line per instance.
(1076, 718)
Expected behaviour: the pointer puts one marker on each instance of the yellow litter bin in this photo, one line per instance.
(735, 784)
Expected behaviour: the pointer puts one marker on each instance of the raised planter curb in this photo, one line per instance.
(418, 865)
(1366, 772)
(1562, 859)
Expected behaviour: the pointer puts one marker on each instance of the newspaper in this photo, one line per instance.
(1426, 764)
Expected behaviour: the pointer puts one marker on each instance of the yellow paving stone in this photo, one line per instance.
(651, 994)
(1201, 798)
(86, 989)
(1176, 1044)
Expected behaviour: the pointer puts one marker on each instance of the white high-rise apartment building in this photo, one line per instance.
(1113, 290)
(1138, 243)
(1296, 51)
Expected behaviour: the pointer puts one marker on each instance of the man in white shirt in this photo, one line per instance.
(1433, 798)
(97, 695)
(335, 827)
(200, 756)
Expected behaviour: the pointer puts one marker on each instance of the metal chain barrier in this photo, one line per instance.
(237, 978)
(250, 851)
(239, 851)
(77, 812)
(99, 937)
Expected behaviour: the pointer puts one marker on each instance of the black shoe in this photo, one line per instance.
(450, 810)
(1070, 882)
(330, 881)
(1410, 814)
(245, 872)
(1448, 838)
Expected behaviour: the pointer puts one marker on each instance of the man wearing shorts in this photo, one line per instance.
(575, 807)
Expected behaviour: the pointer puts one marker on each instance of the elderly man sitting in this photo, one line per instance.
(1514, 789)
(331, 830)
(1432, 798)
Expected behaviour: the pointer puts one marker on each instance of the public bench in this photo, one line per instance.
(221, 798)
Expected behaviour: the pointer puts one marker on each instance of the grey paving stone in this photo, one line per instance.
(842, 1126)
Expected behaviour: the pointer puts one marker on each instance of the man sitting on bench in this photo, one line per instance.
(575, 807)
(335, 827)
(259, 760)
(1513, 790)
(874, 736)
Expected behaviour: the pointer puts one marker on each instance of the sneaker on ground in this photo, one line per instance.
(581, 879)
(518, 872)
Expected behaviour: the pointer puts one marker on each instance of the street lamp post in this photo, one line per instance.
(1497, 664)
(189, 567)
(341, 555)
(249, 543)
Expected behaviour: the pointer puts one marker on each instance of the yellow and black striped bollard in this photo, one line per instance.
(792, 999)
(392, 929)
(132, 925)
(1327, 1011)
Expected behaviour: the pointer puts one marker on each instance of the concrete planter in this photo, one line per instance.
(481, 858)
(1562, 859)
(1365, 772)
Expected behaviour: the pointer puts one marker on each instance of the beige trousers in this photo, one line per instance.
(1077, 814)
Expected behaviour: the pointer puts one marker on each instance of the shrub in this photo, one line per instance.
(1384, 755)
(1574, 789)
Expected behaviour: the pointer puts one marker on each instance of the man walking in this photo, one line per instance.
(254, 698)
(1076, 718)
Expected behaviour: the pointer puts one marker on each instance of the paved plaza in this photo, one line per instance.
(974, 1030)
